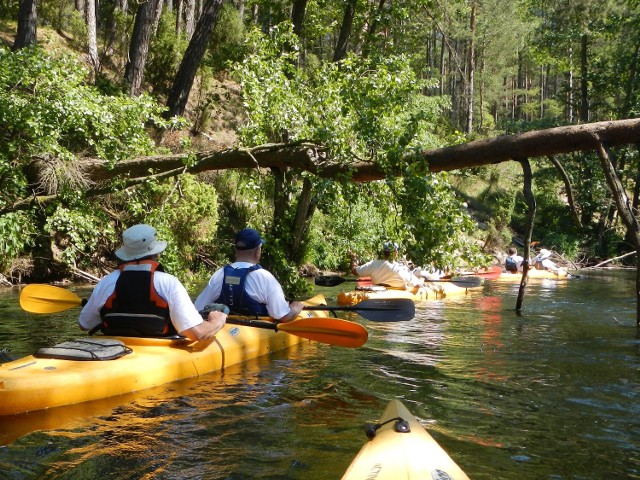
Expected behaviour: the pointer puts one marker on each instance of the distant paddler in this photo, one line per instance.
(543, 261)
(386, 270)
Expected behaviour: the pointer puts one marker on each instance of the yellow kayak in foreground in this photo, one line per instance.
(37, 382)
(402, 450)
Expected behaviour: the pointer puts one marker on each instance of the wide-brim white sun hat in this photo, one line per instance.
(138, 242)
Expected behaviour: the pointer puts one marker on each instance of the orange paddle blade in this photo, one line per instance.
(39, 298)
(334, 331)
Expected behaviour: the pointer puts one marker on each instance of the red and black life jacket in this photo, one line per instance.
(135, 309)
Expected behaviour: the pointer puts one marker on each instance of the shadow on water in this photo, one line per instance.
(552, 393)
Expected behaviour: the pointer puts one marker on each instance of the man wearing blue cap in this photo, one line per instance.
(386, 270)
(247, 288)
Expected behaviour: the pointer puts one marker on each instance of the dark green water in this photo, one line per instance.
(552, 394)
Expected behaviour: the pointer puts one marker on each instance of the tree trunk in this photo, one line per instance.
(179, 22)
(280, 198)
(92, 38)
(139, 46)
(472, 68)
(189, 17)
(531, 215)
(568, 189)
(584, 80)
(631, 82)
(304, 214)
(569, 104)
(442, 66)
(636, 187)
(240, 6)
(345, 30)
(313, 158)
(183, 82)
(624, 210)
(297, 16)
(27, 22)
(371, 30)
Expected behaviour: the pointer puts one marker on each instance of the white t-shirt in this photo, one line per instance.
(260, 285)
(518, 259)
(183, 313)
(392, 274)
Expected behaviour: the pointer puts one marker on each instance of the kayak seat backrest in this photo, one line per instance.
(134, 325)
(85, 349)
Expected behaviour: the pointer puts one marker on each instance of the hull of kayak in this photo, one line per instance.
(489, 273)
(534, 274)
(430, 291)
(32, 383)
(394, 455)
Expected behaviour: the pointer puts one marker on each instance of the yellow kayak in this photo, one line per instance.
(38, 382)
(430, 291)
(534, 274)
(402, 450)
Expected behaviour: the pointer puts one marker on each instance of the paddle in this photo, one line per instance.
(333, 331)
(38, 298)
(465, 282)
(378, 310)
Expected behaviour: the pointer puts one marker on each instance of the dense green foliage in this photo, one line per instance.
(403, 86)
(49, 114)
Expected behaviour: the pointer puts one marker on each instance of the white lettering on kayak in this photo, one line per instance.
(375, 471)
(438, 474)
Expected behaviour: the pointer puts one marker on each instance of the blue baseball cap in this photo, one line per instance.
(248, 239)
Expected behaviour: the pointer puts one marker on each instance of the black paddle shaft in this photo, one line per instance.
(378, 310)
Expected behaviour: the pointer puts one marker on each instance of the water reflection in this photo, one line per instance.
(552, 393)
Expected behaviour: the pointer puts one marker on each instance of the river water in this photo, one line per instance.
(551, 394)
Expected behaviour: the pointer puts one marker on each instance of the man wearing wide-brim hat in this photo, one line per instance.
(140, 299)
(247, 288)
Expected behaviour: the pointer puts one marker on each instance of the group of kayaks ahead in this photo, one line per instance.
(496, 273)
(431, 290)
(445, 287)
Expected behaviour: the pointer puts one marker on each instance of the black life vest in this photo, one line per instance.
(233, 293)
(135, 309)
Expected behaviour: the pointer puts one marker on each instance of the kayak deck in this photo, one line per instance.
(534, 274)
(33, 383)
(488, 273)
(394, 454)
